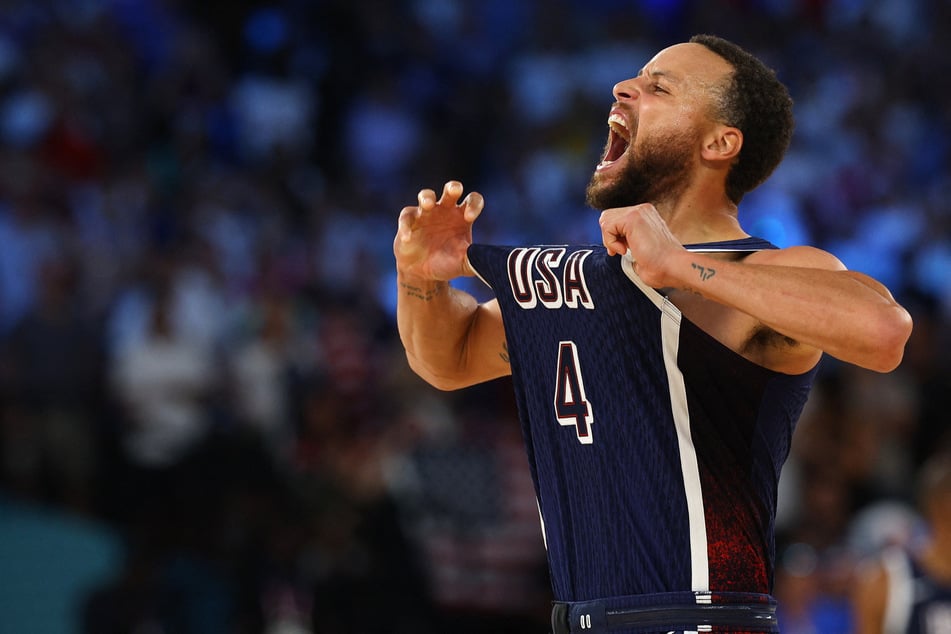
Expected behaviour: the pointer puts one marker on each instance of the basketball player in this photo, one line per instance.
(909, 590)
(658, 376)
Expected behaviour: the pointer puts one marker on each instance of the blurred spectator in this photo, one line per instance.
(28, 233)
(262, 375)
(53, 364)
(906, 586)
(163, 382)
(814, 586)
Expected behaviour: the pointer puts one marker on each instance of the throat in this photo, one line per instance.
(693, 224)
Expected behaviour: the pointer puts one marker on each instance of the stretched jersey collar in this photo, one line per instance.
(741, 245)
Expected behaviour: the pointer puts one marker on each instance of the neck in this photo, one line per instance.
(692, 219)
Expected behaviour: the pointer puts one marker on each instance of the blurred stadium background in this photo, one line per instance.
(206, 421)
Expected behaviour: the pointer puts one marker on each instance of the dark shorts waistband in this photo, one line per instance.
(675, 611)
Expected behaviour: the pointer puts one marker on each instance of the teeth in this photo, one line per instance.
(617, 123)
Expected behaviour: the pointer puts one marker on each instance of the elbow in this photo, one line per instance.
(890, 338)
(442, 383)
(438, 380)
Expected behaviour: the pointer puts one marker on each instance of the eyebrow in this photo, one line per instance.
(655, 74)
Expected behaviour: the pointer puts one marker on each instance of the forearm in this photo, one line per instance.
(434, 322)
(844, 314)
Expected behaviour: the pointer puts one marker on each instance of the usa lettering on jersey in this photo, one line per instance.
(545, 277)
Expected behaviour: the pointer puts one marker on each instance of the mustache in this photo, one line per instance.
(655, 171)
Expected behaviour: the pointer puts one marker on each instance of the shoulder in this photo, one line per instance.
(814, 258)
(802, 256)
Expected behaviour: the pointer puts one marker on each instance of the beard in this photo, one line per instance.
(655, 172)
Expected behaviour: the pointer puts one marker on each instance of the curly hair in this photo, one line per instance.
(759, 105)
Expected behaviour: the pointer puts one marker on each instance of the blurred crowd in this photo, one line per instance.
(197, 343)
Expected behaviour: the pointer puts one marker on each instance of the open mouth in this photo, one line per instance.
(619, 139)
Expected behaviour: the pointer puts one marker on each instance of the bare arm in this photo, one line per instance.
(869, 597)
(802, 293)
(806, 295)
(451, 340)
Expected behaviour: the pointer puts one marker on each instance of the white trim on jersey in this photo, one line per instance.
(541, 520)
(900, 595)
(477, 274)
(690, 469)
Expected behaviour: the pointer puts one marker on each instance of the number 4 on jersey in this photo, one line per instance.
(571, 404)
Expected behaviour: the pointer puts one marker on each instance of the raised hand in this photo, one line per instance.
(433, 237)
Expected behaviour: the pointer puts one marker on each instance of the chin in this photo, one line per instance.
(600, 184)
(593, 193)
(606, 192)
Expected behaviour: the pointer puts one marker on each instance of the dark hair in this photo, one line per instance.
(758, 104)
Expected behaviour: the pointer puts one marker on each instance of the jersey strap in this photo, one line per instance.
(743, 245)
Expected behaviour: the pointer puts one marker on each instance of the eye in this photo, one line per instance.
(655, 87)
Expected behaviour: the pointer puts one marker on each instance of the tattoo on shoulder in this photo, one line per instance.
(705, 271)
(505, 352)
(420, 293)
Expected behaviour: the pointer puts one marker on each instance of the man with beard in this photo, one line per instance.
(659, 376)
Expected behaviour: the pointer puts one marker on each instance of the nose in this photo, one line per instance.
(626, 89)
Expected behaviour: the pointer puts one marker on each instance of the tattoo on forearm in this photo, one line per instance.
(705, 272)
(426, 295)
(505, 352)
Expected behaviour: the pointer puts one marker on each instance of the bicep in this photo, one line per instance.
(482, 355)
(813, 258)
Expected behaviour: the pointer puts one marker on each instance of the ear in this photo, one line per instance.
(723, 144)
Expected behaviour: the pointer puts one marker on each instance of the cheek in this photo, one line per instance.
(656, 124)
(687, 119)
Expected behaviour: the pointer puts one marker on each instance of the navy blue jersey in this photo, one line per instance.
(655, 450)
(917, 603)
